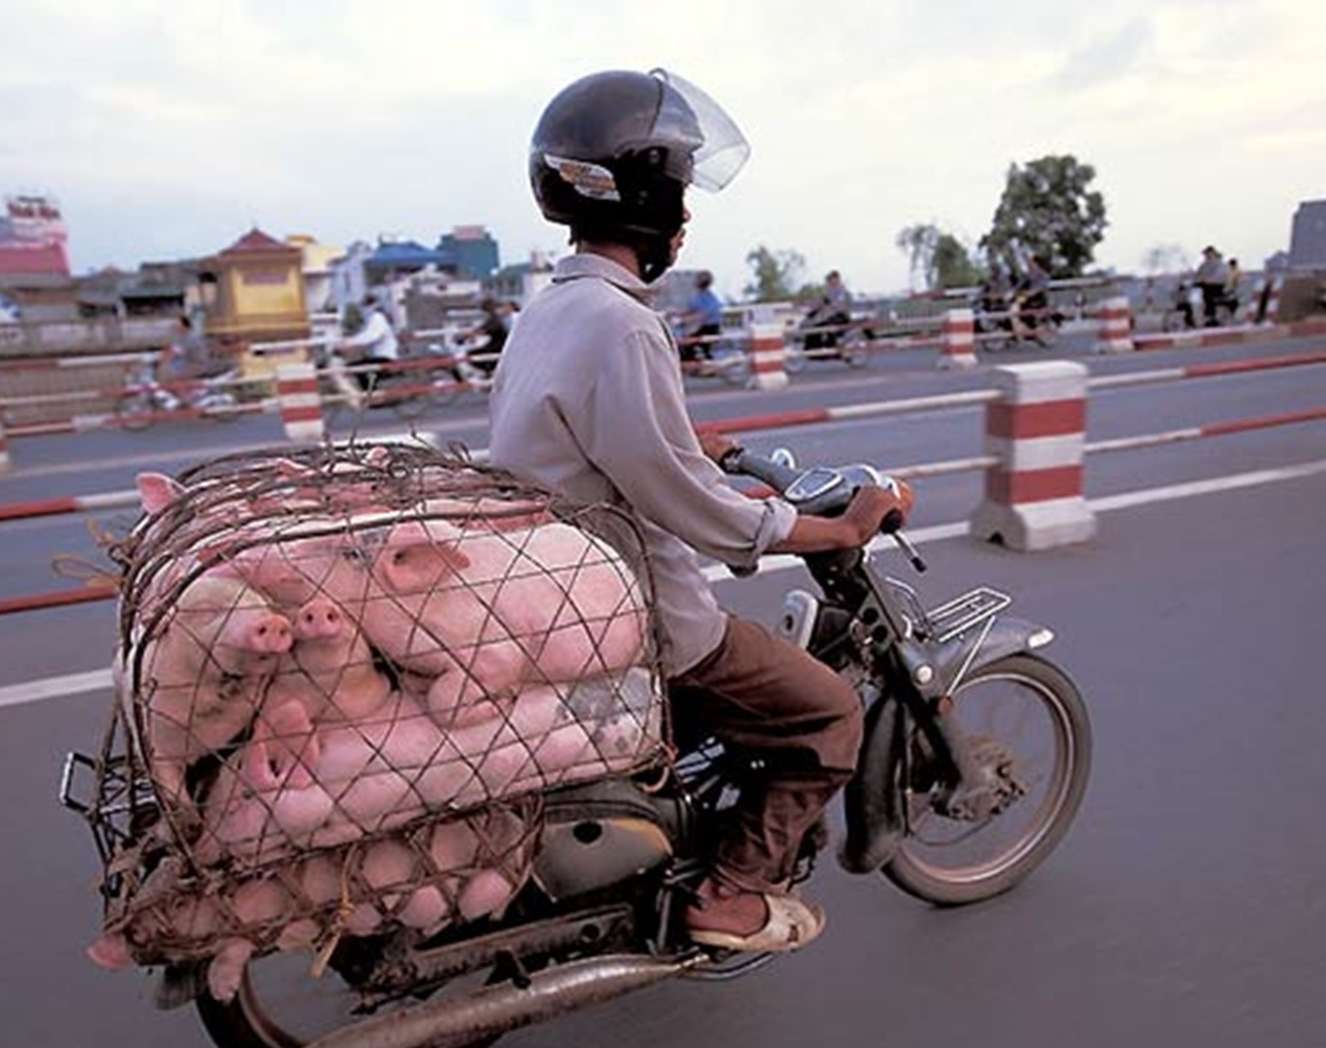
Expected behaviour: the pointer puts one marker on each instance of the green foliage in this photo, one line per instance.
(1049, 209)
(809, 293)
(939, 258)
(953, 263)
(774, 274)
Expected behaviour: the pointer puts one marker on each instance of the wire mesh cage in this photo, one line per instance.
(345, 676)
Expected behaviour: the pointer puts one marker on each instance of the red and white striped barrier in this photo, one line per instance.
(1033, 498)
(957, 348)
(301, 408)
(1229, 336)
(810, 416)
(765, 346)
(1116, 326)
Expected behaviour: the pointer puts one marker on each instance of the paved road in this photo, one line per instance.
(1188, 905)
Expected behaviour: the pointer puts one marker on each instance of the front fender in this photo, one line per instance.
(872, 800)
(984, 643)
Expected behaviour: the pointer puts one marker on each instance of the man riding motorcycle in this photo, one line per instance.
(588, 400)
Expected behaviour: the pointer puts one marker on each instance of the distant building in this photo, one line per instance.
(1307, 244)
(521, 281)
(316, 267)
(472, 251)
(254, 290)
(34, 263)
(349, 281)
(396, 258)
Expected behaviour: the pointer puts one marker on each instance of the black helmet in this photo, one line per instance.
(613, 153)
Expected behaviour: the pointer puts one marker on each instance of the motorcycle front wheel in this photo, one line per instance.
(135, 411)
(794, 360)
(1026, 722)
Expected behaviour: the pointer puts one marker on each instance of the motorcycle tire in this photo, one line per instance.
(135, 411)
(733, 366)
(914, 874)
(794, 360)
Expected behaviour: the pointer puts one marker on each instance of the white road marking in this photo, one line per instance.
(96, 680)
(55, 687)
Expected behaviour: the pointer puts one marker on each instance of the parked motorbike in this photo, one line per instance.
(976, 756)
(145, 398)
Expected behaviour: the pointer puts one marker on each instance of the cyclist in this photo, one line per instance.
(588, 400)
(374, 343)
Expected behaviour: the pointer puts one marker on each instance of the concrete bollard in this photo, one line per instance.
(301, 407)
(5, 464)
(1033, 498)
(958, 340)
(764, 346)
(1115, 334)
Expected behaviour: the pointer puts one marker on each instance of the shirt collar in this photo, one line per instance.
(587, 264)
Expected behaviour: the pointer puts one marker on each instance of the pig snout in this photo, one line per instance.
(110, 952)
(318, 619)
(268, 634)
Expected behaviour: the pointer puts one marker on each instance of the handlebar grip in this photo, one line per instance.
(744, 462)
(892, 521)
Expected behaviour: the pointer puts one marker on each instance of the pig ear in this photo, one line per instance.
(157, 491)
(407, 566)
(378, 456)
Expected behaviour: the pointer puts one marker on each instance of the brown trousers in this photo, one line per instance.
(761, 695)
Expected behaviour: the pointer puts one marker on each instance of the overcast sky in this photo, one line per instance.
(166, 129)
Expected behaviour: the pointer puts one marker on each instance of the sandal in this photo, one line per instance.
(792, 924)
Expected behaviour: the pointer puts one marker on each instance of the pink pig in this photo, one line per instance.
(329, 670)
(203, 672)
(477, 612)
(295, 786)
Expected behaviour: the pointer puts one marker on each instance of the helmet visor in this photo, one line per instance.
(688, 115)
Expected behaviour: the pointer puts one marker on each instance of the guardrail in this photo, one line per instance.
(761, 365)
(1035, 422)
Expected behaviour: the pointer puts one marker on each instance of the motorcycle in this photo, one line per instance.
(944, 804)
(832, 339)
(144, 398)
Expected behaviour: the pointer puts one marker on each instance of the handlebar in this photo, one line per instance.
(821, 491)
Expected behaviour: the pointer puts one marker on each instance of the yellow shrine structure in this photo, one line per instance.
(253, 291)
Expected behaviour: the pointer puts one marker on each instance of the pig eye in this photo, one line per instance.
(353, 554)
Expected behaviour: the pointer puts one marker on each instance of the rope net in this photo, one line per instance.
(345, 676)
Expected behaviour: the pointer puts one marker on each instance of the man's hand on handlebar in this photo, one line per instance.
(863, 519)
(873, 510)
(716, 445)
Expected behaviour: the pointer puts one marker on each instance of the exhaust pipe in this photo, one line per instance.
(495, 1010)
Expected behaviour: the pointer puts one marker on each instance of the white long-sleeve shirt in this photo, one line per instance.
(376, 338)
(588, 401)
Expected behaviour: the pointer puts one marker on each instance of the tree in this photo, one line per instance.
(1166, 258)
(939, 258)
(918, 243)
(1049, 209)
(774, 274)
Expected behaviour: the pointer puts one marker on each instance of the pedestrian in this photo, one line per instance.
(1212, 275)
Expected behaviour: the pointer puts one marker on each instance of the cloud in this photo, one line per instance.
(166, 128)
(1103, 62)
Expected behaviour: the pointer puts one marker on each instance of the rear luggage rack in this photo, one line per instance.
(960, 614)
